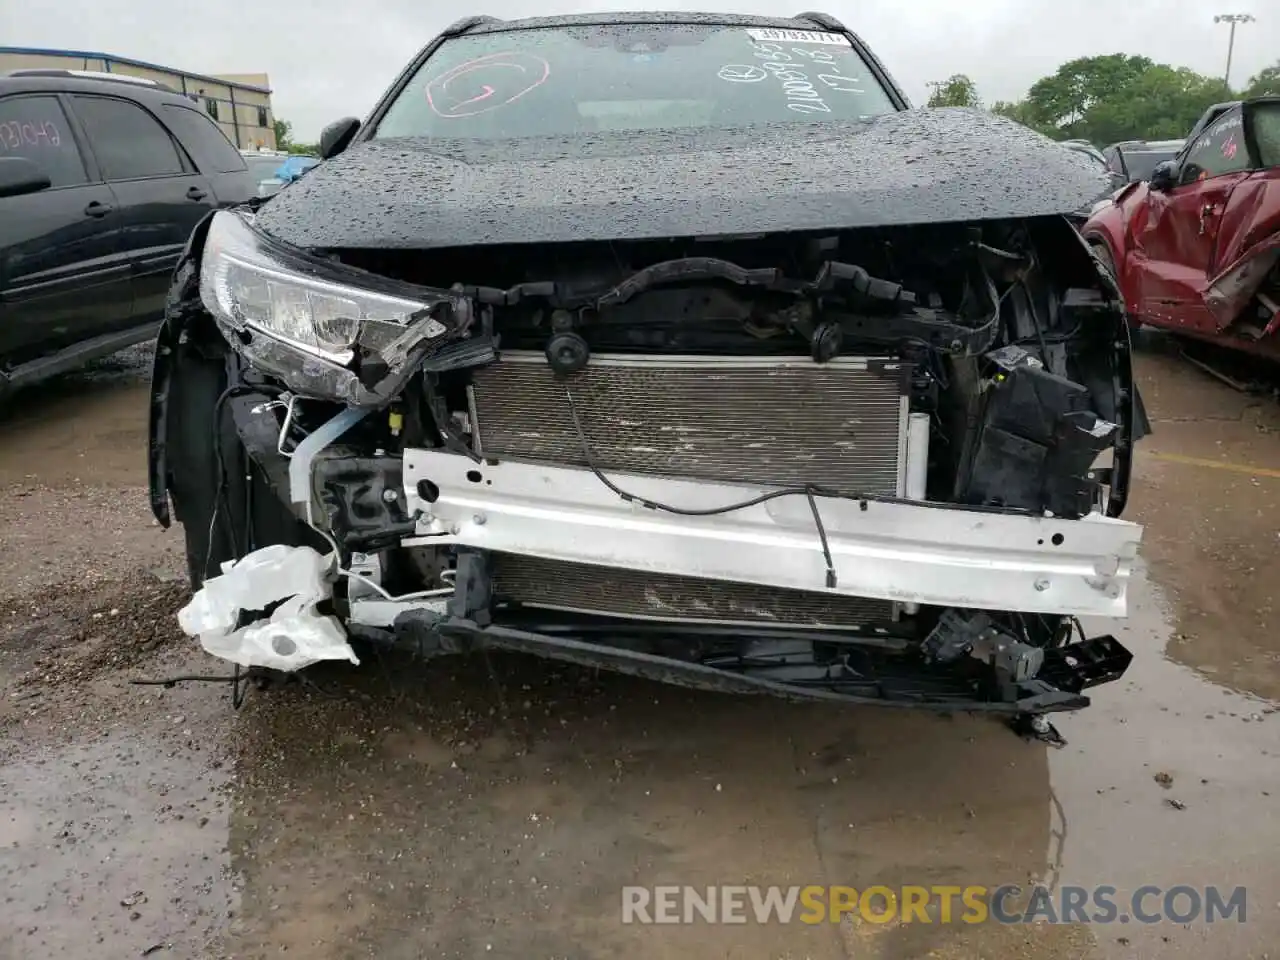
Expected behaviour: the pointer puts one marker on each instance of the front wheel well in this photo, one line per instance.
(1100, 245)
(1102, 249)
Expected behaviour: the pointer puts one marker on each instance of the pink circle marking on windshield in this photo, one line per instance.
(485, 84)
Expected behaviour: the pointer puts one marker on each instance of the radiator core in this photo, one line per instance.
(767, 421)
(787, 422)
(588, 588)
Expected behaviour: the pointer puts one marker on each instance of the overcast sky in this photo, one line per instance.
(332, 58)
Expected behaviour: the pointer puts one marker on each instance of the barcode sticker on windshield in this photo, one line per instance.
(763, 35)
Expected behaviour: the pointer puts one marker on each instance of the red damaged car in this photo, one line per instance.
(1196, 249)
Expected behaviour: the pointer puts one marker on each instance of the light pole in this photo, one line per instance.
(1233, 19)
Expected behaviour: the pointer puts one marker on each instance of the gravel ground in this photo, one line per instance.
(400, 810)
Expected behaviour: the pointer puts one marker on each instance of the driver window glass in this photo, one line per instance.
(36, 128)
(1266, 131)
(1219, 150)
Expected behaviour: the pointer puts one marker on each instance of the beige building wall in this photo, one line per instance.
(253, 110)
(249, 79)
(240, 102)
(36, 61)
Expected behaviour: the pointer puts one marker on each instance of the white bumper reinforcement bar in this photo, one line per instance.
(891, 551)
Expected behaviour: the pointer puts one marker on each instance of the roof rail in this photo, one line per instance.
(459, 27)
(824, 20)
(89, 75)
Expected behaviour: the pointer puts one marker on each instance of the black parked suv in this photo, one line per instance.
(665, 342)
(101, 181)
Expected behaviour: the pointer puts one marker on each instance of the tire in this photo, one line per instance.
(1109, 262)
(251, 514)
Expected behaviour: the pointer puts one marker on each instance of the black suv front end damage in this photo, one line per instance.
(675, 344)
(873, 480)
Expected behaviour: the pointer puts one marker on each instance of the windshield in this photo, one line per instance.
(574, 80)
(1141, 163)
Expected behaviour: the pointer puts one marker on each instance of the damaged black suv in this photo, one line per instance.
(677, 344)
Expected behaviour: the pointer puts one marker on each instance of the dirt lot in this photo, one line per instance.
(402, 811)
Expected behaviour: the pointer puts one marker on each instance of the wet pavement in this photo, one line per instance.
(453, 810)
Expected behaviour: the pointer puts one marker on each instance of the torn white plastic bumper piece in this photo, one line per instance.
(293, 636)
(906, 552)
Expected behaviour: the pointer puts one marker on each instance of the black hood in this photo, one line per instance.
(914, 167)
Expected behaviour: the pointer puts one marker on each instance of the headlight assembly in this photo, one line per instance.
(324, 336)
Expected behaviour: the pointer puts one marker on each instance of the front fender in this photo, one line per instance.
(182, 302)
(1109, 225)
(1106, 227)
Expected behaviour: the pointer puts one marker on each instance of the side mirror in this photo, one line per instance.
(337, 136)
(1165, 175)
(18, 175)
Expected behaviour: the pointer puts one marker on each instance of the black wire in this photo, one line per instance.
(237, 687)
(1026, 634)
(1055, 338)
(683, 511)
(809, 491)
(238, 690)
(1035, 319)
(239, 678)
(220, 500)
(935, 360)
(1079, 627)
(220, 491)
(184, 678)
(822, 536)
(248, 507)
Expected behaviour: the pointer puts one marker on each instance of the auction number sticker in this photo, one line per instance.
(807, 74)
(769, 35)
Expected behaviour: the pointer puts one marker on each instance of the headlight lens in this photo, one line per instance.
(244, 285)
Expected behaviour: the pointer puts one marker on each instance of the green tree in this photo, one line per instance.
(956, 91)
(285, 141)
(1063, 100)
(1266, 82)
(1023, 112)
(284, 134)
(1163, 104)
(1116, 97)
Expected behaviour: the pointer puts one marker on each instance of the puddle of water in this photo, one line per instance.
(1222, 750)
(112, 846)
(409, 824)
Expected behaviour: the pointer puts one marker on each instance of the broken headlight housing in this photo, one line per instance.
(327, 331)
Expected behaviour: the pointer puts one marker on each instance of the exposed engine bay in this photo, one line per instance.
(884, 465)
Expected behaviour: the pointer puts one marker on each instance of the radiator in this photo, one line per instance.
(778, 422)
(585, 588)
(774, 422)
